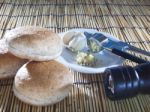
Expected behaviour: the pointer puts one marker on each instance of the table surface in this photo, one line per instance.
(128, 20)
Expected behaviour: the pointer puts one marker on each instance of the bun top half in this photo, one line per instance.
(34, 43)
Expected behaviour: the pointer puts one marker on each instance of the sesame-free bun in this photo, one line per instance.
(42, 83)
(9, 64)
(33, 43)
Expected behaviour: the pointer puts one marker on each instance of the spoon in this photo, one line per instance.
(98, 41)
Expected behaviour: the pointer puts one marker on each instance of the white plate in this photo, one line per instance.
(104, 58)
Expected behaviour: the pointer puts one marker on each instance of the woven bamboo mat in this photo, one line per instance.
(128, 20)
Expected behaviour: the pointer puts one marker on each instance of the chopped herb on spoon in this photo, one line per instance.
(94, 47)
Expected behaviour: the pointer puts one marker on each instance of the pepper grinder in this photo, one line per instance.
(125, 81)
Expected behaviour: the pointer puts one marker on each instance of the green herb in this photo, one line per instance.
(85, 59)
(94, 47)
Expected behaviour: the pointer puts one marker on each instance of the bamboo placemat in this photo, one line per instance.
(128, 20)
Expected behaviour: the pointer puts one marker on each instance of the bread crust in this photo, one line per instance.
(42, 83)
(9, 64)
(34, 43)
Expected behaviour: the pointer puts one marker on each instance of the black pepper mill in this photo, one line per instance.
(125, 81)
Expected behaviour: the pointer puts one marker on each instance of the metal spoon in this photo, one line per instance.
(104, 43)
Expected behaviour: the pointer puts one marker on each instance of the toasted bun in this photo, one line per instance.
(34, 43)
(9, 64)
(42, 83)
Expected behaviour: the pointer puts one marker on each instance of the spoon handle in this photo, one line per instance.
(128, 56)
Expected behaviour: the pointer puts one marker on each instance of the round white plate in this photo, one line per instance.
(105, 59)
